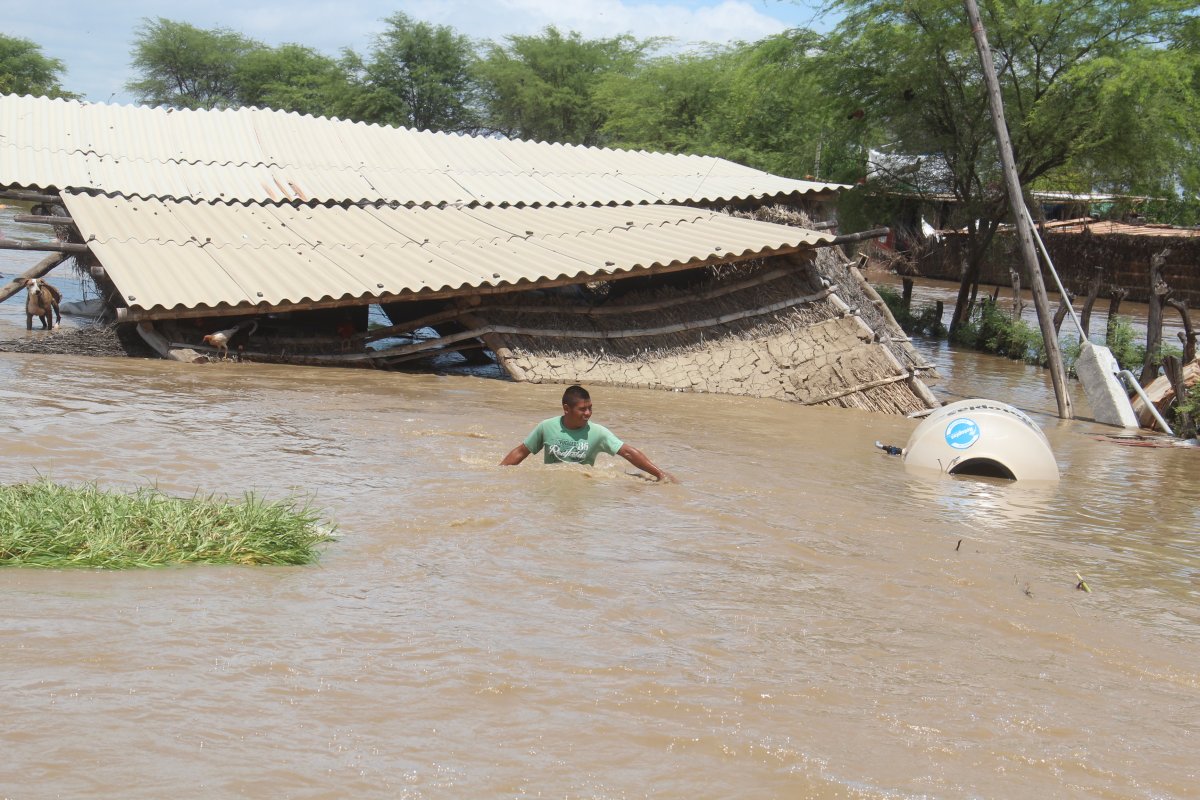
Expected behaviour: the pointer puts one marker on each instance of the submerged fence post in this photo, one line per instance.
(1159, 293)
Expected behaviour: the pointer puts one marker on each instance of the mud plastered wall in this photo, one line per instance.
(814, 352)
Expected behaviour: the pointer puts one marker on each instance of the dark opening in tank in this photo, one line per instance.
(984, 468)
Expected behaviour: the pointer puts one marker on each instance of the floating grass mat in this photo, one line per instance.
(44, 524)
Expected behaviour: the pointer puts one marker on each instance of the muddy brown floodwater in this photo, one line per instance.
(794, 620)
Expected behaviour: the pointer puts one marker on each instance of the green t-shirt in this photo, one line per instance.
(577, 446)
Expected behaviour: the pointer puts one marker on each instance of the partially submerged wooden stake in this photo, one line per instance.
(1188, 335)
(1085, 316)
(1159, 293)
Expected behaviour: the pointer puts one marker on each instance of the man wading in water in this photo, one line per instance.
(571, 438)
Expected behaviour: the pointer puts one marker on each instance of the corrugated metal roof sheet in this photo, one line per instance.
(253, 155)
(168, 256)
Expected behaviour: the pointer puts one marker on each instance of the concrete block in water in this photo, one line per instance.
(1097, 369)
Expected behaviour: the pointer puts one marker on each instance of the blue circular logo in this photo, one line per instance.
(962, 433)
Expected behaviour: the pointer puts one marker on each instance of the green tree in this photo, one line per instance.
(762, 104)
(184, 66)
(667, 105)
(779, 116)
(909, 70)
(24, 69)
(292, 77)
(544, 87)
(419, 76)
(1159, 159)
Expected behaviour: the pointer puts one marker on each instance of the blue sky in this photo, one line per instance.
(94, 38)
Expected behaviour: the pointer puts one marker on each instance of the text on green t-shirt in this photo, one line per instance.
(572, 445)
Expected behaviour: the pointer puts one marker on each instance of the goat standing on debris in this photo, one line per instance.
(41, 301)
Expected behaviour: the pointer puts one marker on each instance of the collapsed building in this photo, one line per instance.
(563, 263)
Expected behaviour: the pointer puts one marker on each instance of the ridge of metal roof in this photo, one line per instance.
(172, 257)
(259, 155)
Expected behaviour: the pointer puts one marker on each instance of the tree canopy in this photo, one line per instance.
(25, 69)
(419, 76)
(544, 87)
(187, 67)
(291, 77)
(1099, 94)
(1073, 77)
(761, 104)
(667, 105)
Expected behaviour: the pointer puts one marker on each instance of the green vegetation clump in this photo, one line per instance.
(1120, 340)
(25, 69)
(925, 321)
(994, 331)
(1186, 415)
(1072, 347)
(44, 524)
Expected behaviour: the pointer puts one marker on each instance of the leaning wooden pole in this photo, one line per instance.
(18, 283)
(1016, 202)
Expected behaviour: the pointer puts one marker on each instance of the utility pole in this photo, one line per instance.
(1016, 203)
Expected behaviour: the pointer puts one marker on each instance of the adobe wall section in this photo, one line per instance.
(814, 351)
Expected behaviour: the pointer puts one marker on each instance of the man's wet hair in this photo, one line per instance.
(574, 394)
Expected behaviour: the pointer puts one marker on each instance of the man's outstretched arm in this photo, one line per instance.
(515, 456)
(639, 460)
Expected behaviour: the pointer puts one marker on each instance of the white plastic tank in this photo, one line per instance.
(981, 437)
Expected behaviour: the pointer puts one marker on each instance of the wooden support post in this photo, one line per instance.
(1085, 318)
(18, 283)
(906, 293)
(1020, 214)
(1114, 307)
(1159, 292)
(1188, 335)
(1064, 305)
